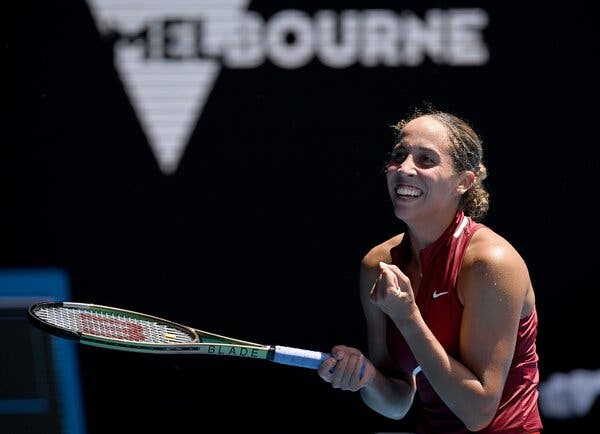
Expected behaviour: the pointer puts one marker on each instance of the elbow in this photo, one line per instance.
(393, 413)
(475, 426)
(482, 416)
(396, 413)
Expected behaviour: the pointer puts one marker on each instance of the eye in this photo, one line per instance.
(396, 157)
(427, 159)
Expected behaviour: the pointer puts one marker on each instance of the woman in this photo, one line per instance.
(449, 304)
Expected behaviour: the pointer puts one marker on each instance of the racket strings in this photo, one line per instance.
(113, 325)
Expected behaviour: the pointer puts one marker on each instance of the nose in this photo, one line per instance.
(407, 167)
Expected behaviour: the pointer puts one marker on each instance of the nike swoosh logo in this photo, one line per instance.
(438, 294)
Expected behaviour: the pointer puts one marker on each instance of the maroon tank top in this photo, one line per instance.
(441, 309)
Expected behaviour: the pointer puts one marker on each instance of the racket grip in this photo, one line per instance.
(298, 357)
(304, 358)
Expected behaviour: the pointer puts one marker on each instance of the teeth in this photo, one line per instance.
(408, 191)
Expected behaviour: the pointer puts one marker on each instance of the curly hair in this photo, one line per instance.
(466, 152)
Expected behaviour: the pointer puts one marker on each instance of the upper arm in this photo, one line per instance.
(376, 322)
(493, 283)
(376, 319)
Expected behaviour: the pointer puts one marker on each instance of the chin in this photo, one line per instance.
(405, 213)
(409, 213)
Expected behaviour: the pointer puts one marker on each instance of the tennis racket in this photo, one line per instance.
(119, 329)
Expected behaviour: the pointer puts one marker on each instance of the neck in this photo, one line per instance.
(424, 232)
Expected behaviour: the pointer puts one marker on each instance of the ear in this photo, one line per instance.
(465, 181)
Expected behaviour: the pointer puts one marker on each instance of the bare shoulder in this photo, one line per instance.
(489, 248)
(369, 267)
(491, 265)
(380, 253)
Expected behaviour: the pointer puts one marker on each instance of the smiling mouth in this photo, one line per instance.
(406, 191)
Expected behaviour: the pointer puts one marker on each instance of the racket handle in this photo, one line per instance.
(304, 358)
(298, 357)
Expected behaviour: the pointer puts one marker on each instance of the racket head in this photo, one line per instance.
(111, 327)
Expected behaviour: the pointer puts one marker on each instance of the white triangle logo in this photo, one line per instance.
(168, 94)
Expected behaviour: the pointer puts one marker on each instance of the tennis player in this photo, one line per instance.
(449, 304)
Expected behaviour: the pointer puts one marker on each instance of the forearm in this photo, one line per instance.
(456, 385)
(388, 396)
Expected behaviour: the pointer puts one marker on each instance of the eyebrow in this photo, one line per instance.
(401, 145)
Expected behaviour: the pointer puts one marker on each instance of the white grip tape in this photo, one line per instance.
(299, 357)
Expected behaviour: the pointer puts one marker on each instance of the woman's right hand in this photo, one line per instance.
(343, 369)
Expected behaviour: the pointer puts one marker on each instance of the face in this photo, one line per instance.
(420, 174)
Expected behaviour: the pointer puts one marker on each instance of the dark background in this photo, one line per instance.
(260, 232)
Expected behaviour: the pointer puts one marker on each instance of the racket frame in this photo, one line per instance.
(203, 342)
